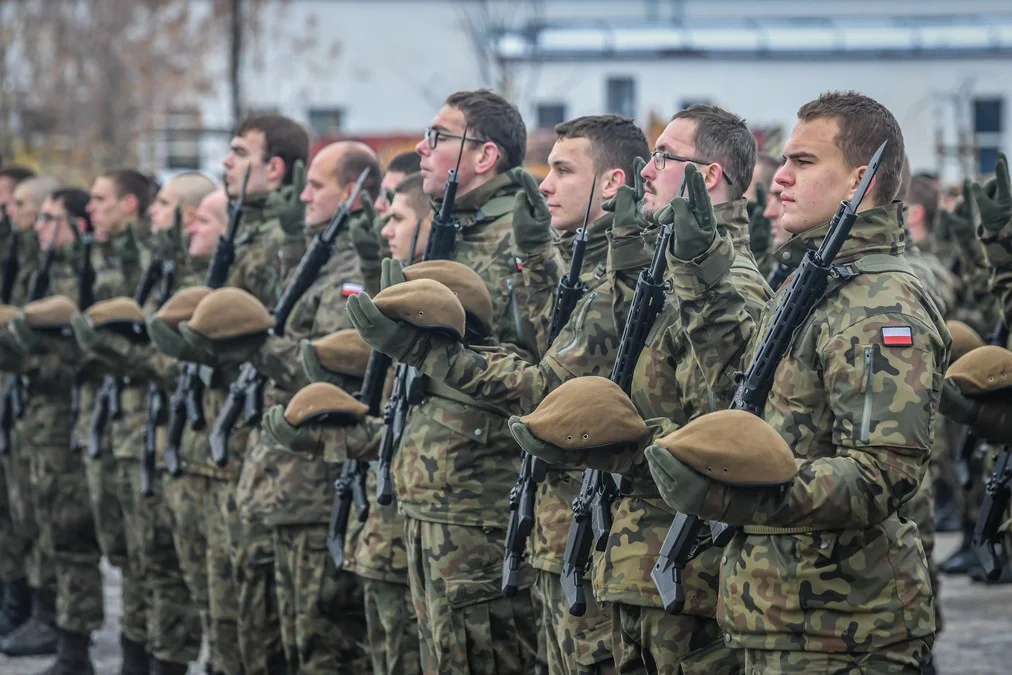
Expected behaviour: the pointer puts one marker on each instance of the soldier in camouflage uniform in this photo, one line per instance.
(320, 608)
(599, 151)
(855, 398)
(456, 462)
(59, 488)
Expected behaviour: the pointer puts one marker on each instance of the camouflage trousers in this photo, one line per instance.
(921, 509)
(322, 615)
(251, 549)
(392, 628)
(574, 645)
(19, 533)
(905, 657)
(646, 640)
(14, 547)
(465, 625)
(174, 625)
(67, 535)
(195, 518)
(222, 591)
(113, 508)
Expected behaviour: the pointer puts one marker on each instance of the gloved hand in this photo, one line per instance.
(681, 486)
(959, 222)
(302, 439)
(285, 203)
(28, 340)
(168, 341)
(392, 273)
(393, 338)
(223, 352)
(994, 198)
(695, 224)
(626, 204)
(760, 229)
(532, 224)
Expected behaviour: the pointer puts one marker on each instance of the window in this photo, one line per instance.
(326, 121)
(621, 96)
(182, 139)
(550, 114)
(988, 129)
(686, 102)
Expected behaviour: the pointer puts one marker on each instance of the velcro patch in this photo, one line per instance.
(897, 336)
(349, 289)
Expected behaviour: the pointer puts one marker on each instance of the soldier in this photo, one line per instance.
(59, 487)
(854, 399)
(456, 461)
(10, 177)
(407, 220)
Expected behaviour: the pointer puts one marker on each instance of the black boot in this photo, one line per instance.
(37, 636)
(73, 657)
(964, 560)
(135, 659)
(160, 667)
(947, 511)
(17, 606)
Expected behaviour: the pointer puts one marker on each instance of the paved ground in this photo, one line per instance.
(977, 637)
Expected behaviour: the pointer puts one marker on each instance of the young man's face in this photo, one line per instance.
(391, 179)
(568, 183)
(162, 211)
(660, 186)
(438, 161)
(208, 225)
(109, 212)
(324, 192)
(399, 230)
(815, 178)
(52, 222)
(247, 150)
(23, 209)
(773, 211)
(7, 192)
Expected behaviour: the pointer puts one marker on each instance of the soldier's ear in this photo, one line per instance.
(488, 158)
(276, 170)
(610, 181)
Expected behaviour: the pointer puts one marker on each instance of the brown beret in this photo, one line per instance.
(424, 303)
(343, 352)
(584, 413)
(964, 339)
(465, 284)
(230, 313)
(55, 311)
(115, 310)
(7, 312)
(180, 306)
(324, 403)
(733, 447)
(984, 370)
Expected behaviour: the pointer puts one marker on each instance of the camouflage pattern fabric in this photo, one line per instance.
(574, 645)
(645, 640)
(903, 658)
(265, 254)
(838, 521)
(323, 623)
(999, 258)
(392, 628)
(222, 525)
(15, 538)
(185, 501)
(464, 622)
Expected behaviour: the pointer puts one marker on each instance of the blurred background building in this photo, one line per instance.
(161, 82)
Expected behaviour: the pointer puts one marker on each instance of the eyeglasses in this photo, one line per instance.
(661, 158)
(433, 136)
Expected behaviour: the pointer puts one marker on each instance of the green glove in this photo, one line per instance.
(959, 222)
(994, 198)
(392, 273)
(313, 369)
(760, 229)
(695, 223)
(223, 352)
(87, 337)
(285, 203)
(960, 409)
(532, 224)
(170, 342)
(301, 439)
(10, 347)
(532, 445)
(363, 234)
(27, 339)
(681, 487)
(626, 204)
(393, 338)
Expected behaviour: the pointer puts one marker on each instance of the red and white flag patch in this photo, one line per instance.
(349, 289)
(897, 336)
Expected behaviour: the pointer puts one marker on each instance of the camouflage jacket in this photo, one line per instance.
(849, 574)
(941, 285)
(29, 259)
(679, 376)
(277, 485)
(999, 257)
(457, 459)
(586, 345)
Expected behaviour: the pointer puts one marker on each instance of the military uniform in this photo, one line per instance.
(453, 472)
(320, 608)
(855, 399)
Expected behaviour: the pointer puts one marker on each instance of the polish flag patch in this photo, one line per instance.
(350, 289)
(897, 336)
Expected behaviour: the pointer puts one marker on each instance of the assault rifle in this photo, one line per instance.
(532, 469)
(186, 404)
(107, 405)
(441, 246)
(156, 402)
(682, 542)
(245, 392)
(12, 260)
(85, 299)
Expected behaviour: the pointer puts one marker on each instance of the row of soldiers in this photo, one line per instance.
(559, 484)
